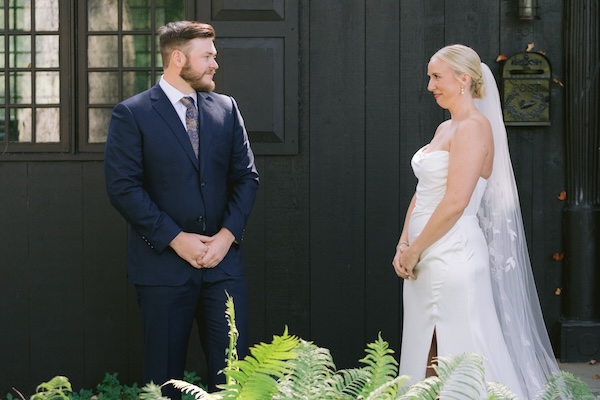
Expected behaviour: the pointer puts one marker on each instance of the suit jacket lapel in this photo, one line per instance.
(164, 108)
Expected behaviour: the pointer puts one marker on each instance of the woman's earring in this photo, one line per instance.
(462, 90)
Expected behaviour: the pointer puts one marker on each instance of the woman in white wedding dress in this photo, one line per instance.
(456, 270)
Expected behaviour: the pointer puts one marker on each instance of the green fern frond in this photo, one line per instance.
(349, 383)
(311, 374)
(389, 390)
(463, 376)
(402, 388)
(192, 389)
(500, 392)
(55, 388)
(151, 391)
(255, 377)
(231, 351)
(564, 385)
(380, 363)
(426, 389)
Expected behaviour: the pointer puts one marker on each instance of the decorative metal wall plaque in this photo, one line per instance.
(526, 78)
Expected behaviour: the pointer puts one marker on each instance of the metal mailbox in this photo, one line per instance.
(526, 81)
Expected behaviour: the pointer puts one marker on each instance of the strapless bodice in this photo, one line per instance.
(431, 169)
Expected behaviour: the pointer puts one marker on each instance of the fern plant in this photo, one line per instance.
(291, 368)
(565, 385)
(381, 366)
(57, 388)
(256, 376)
(310, 376)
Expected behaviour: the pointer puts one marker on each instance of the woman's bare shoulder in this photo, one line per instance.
(477, 125)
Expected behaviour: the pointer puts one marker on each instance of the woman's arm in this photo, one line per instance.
(469, 148)
(403, 241)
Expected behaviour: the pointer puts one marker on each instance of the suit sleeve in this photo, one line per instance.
(124, 174)
(243, 179)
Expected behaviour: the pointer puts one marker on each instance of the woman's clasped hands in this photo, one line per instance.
(405, 260)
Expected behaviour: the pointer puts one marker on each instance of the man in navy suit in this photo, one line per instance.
(186, 212)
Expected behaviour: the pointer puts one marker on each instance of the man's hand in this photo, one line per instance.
(218, 246)
(190, 247)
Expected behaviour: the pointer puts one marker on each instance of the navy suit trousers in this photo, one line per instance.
(168, 313)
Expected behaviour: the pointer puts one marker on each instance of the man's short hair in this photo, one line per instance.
(176, 36)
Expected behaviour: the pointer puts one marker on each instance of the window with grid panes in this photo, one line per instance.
(65, 64)
(122, 58)
(32, 112)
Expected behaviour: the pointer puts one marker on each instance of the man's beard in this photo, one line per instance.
(194, 79)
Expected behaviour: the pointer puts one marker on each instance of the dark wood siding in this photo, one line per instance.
(329, 211)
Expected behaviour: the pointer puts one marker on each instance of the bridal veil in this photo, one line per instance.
(515, 294)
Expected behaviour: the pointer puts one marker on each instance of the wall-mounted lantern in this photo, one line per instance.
(526, 79)
(528, 9)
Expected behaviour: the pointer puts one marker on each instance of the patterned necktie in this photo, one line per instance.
(191, 121)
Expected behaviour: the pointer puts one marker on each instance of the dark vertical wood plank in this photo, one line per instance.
(56, 279)
(337, 178)
(421, 35)
(255, 251)
(475, 24)
(515, 35)
(287, 275)
(549, 173)
(538, 152)
(104, 236)
(538, 156)
(382, 140)
(286, 190)
(15, 324)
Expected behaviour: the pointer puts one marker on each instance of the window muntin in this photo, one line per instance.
(64, 65)
(123, 58)
(31, 104)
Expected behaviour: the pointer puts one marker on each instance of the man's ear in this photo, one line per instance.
(178, 58)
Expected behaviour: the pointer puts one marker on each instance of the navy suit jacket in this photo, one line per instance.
(155, 181)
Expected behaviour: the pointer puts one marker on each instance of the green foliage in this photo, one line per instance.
(256, 376)
(291, 368)
(348, 383)
(381, 367)
(426, 389)
(55, 389)
(462, 375)
(498, 391)
(83, 394)
(231, 351)
(151, 391)
(565, 385)
(110, 388)
(309, 370)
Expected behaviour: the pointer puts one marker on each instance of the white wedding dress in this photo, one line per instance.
(452, 294)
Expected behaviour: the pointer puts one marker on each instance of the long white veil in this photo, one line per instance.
(515, 294)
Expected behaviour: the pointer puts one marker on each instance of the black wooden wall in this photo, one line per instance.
(321, 238)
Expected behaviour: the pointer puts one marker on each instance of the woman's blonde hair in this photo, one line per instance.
(464, 60)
